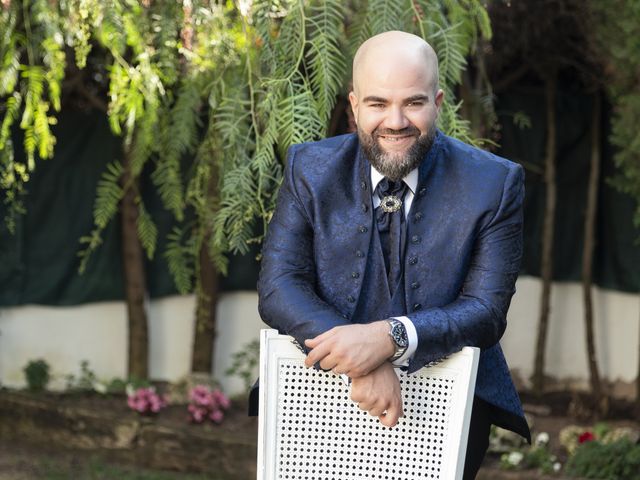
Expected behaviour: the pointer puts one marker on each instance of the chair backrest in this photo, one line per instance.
(309, 428)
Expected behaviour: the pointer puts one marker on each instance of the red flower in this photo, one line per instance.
(586, 437)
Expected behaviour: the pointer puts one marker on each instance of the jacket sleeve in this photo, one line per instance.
(287, 298)
(477, 317)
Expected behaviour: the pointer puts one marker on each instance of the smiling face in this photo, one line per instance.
(395, 101)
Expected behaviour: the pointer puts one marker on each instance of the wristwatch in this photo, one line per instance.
(398, 334)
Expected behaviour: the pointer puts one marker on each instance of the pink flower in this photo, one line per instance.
(146, 401)
(586, 437)
(216, 416)
(206, 403)
(222, 399)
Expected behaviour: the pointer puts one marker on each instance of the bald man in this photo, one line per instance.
(398, 245)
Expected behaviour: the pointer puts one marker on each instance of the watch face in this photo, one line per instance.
(400, 335)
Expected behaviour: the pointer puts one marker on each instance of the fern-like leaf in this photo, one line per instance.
(324, 55)
(108, 195)
(147, 231)
(386, 15)
(180, 258)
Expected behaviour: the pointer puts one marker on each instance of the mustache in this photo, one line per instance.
(411, 130)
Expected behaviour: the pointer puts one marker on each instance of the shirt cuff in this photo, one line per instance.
(412, 336)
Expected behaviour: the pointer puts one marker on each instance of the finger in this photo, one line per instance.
(337, 371)
(328, 363)
(317, 354)
(340, 371)
(365, 406)
(335, 363)
(390, 419)
(376, 411)
(312, 342)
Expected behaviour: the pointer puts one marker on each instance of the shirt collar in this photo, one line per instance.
(411, 179)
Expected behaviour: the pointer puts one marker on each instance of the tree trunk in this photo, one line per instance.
(638, 381)
(546, 270)
(206, 302)
(134, 277)
(206, 297)
(587, 254)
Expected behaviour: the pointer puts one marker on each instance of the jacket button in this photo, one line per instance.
(413, 260)
(345, 316)
(355, 275)
(422, 191)
(416, 307)
(362, 229)
(417, 216)
(359, 254)
(416, 239)
(351, 299)
(415, 285)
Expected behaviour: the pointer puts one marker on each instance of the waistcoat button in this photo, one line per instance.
(422, 191)
(351, 299)
(355, 275)
(359, 254)
(416, 239)
(362, 229)
(416, 307)
(417, 216)
(413, 260)
(415, 285)
(364, 207)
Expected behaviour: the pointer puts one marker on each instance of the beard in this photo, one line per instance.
(396, 166)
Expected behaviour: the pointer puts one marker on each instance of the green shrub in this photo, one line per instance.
(85, 381)
(619, 460)
(244, 363)
(37, 375)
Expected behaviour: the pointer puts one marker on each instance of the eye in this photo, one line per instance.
(416, 103)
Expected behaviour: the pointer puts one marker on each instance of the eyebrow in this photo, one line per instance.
(414, 98)
(374, 99)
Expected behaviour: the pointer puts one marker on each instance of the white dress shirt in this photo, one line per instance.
(412, 182)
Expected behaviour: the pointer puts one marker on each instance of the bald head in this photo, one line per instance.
(389, 51)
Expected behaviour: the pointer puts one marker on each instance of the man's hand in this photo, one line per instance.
(354, 350)
(379, 394)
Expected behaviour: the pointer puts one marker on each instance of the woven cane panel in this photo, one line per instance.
(322, 434)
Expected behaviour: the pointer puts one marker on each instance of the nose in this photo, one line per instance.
(396, 119)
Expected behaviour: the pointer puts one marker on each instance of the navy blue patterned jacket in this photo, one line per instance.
(464, 244)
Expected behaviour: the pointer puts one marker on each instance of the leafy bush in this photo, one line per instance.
(536, 457)
(619, 460)
(86, 381)
(244, 363)
(37, 375)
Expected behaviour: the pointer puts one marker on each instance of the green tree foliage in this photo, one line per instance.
(209, 93)
(617, 29)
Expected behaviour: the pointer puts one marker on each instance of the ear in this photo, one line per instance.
(439, 98)
(353, 100)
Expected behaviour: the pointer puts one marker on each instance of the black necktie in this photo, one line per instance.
(391, 227)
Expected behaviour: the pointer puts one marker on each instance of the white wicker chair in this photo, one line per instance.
(310, 429)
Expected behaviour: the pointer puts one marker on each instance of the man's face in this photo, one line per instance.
(395, 108)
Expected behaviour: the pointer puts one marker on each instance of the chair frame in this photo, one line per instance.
(277, 350)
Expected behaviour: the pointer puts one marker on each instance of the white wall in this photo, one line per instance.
(97, 332)
(616, 324)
